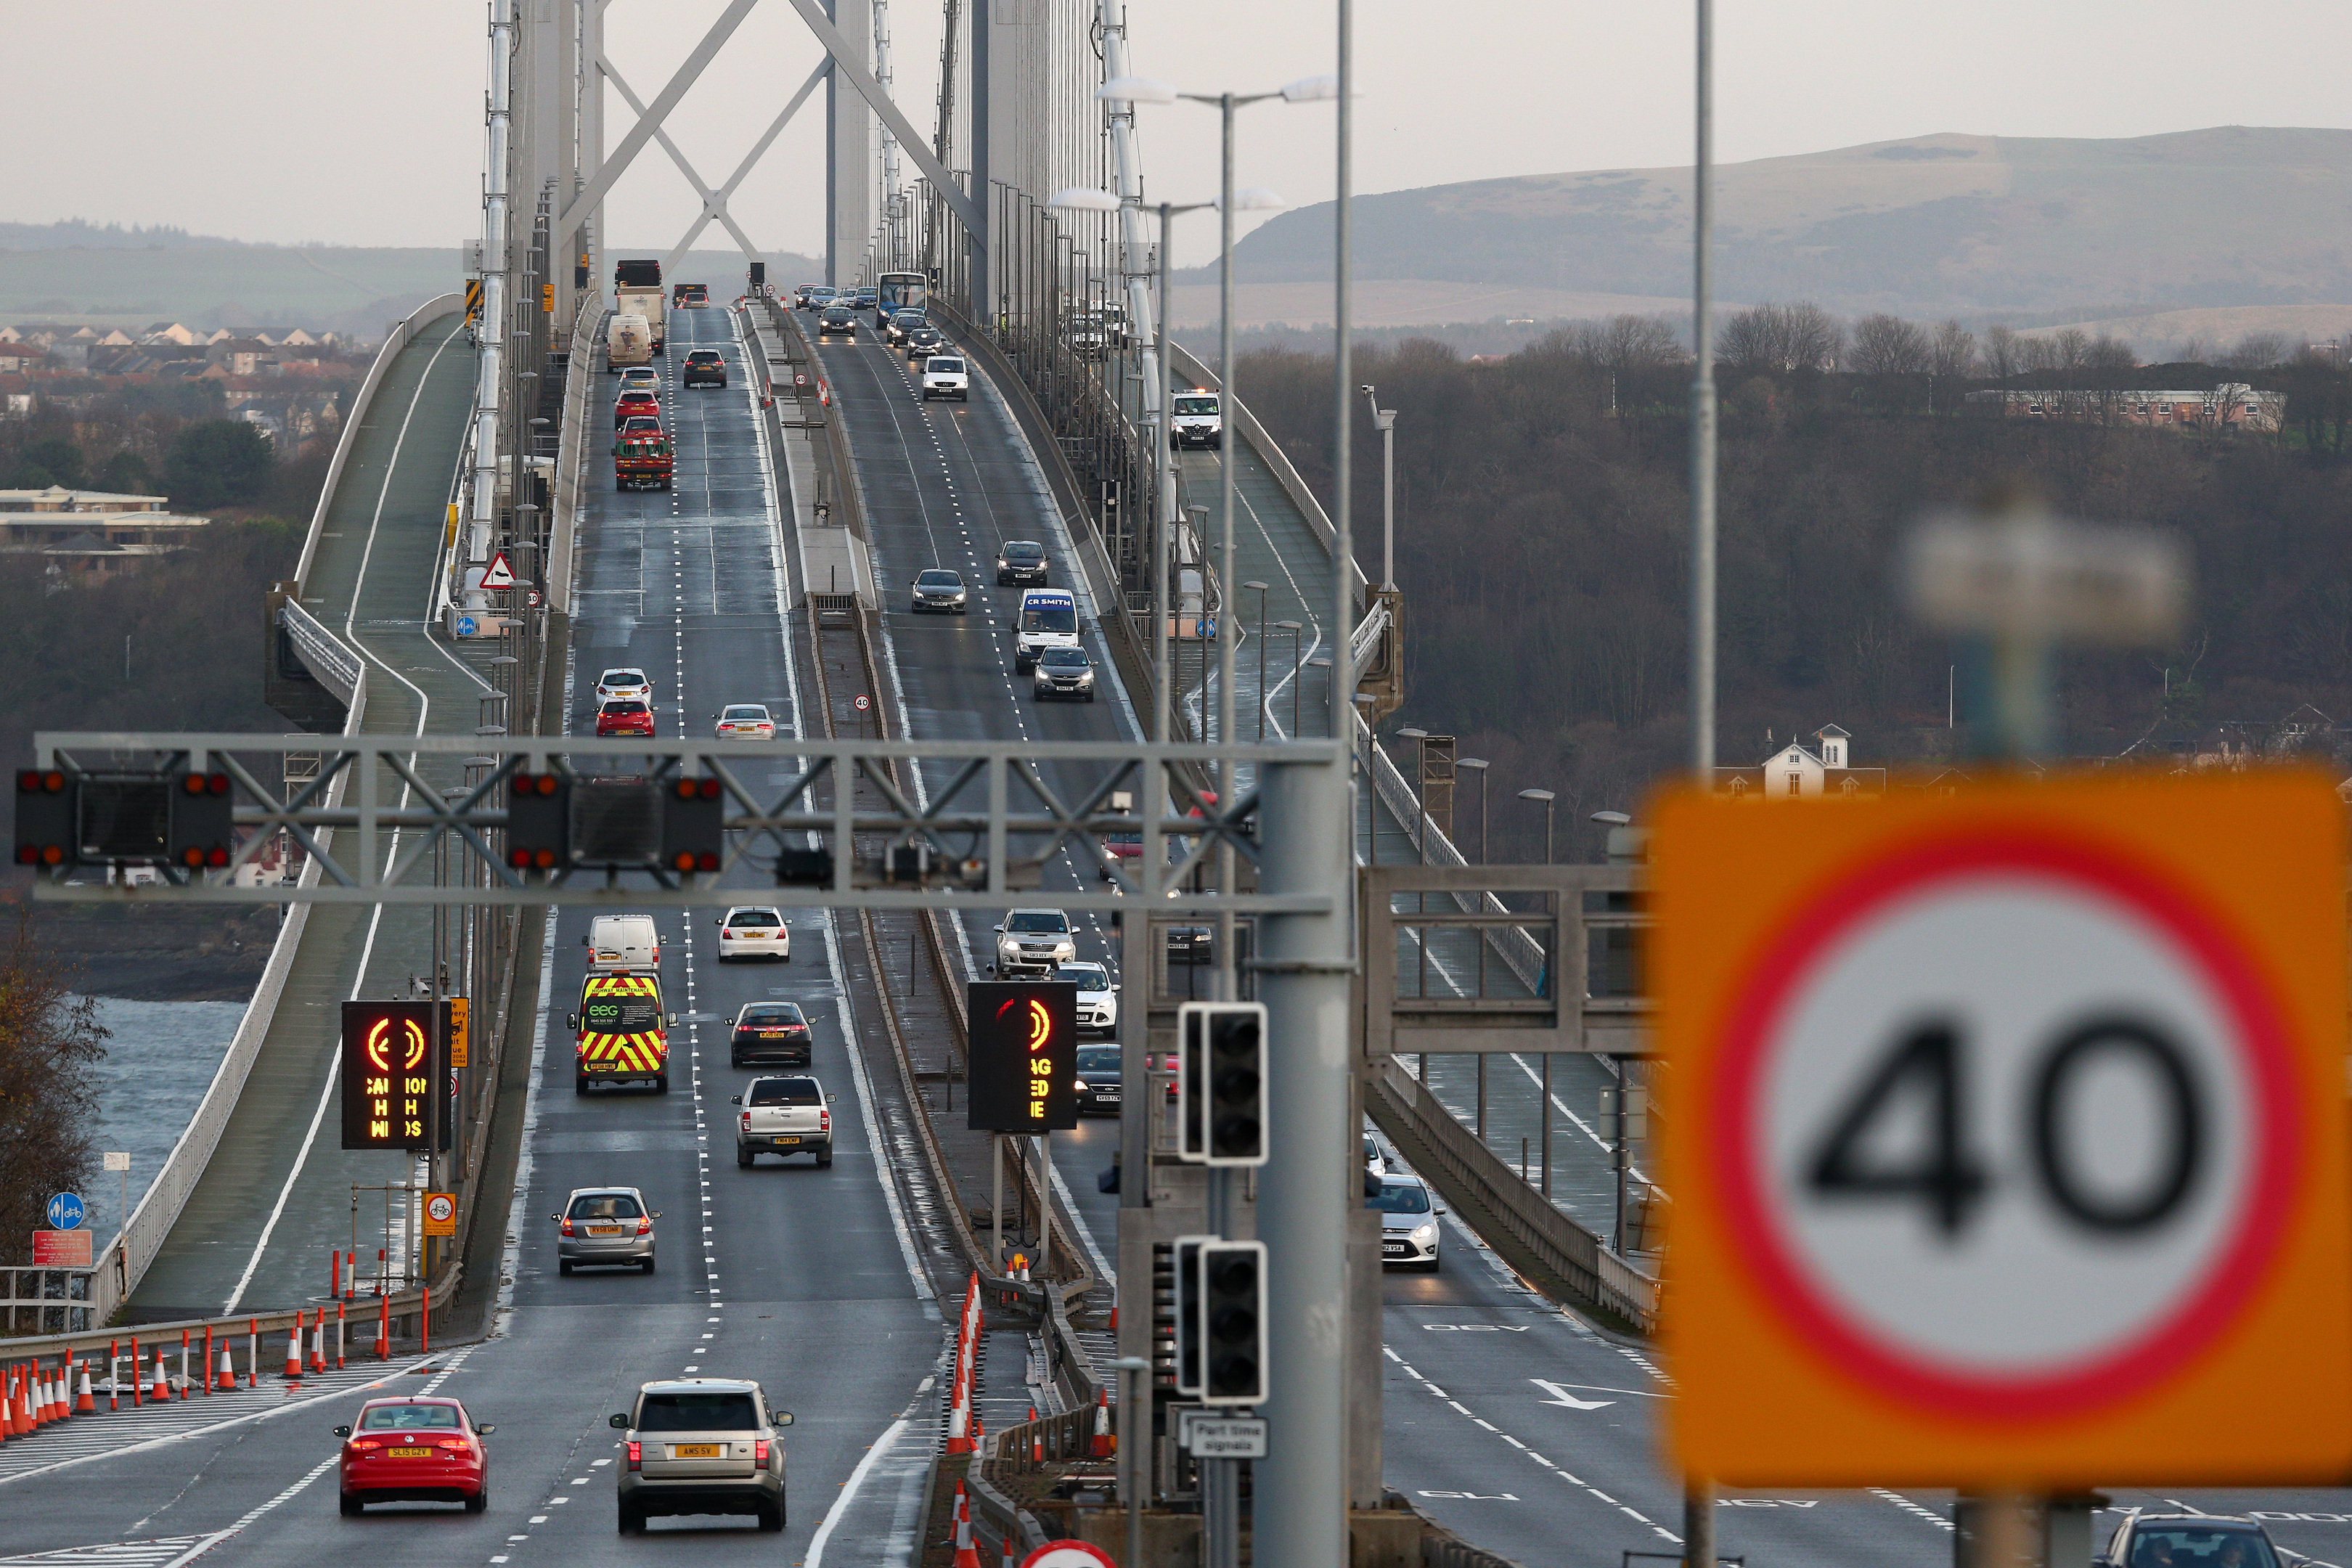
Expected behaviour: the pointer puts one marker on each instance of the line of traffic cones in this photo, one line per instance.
(967, 1555)
(964, 1419)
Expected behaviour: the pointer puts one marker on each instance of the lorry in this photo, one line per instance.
(644, 460)
(628, 339)
(637, 290)
(622, 1033)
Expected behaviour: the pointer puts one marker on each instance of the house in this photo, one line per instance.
(243, 356)
(2234, 406)
(170, 333)
(1798, 772)
(88, 536)
(16, 356)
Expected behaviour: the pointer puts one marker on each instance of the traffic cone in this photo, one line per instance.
(960, 1416)
(40, 1398)
(56, 1385)
(7, 1404)
(966, 1554)
(1105, 1445)
(226, 1381)
(86, 1401)
(294, 1351)
(162, 1392)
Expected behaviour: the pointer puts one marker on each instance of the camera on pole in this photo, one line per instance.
(1221, 1083)
(1231, 1323)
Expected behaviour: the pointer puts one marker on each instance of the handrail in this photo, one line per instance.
(401, 335)
(325, 655)
(276, 1318)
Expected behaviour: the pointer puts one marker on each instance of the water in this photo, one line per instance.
(156, 1070)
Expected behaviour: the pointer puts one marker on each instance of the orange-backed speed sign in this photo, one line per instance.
(2008, 1136)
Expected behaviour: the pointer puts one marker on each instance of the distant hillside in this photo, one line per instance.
(1946, 223)
(134, 277)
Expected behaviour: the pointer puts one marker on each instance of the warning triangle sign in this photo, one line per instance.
(500, 575)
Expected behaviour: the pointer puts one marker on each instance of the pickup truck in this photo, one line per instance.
(783, 1116)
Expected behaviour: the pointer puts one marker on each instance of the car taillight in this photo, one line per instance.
(645, 1225)
(724, 933)
(824, 1121)
(462, 1444)
(760, 1452)
(747, 1121)
(637, 1455)
(364, 1445)
(567, 1225)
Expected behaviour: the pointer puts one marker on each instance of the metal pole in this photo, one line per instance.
(1261, 660)
(1133, 1434)
(1227, 788)
(1388, 498)
(1546, 1126)
(1702, 471)
(1698, 1506)
(996, 1197)
(1163, 463)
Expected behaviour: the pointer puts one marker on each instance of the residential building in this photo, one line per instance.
(90, 536)
(2231, 405)
(1799, 772)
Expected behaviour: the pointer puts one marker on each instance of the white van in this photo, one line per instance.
(628, 340)
(622, 944)
(1048, 617)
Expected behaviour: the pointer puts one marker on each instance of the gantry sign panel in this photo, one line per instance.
(390, 1064)
(1024, 1056)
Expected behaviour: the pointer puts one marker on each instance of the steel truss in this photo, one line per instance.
(983, 834)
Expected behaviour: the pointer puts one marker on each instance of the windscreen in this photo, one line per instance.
(758, 918)
(1063, 659)
(785, 1091)
(1196, 405)
(620, 1014)
(1084, 976)
(776, 1013)
(1050, 616)
(626, 707)
(2191, 1546)
(386, 1418)
(1022, 550)
(697, 1413)
(606, 1206)
(1396, 1197)
(902, 290)
(752, 714)
(1097, 1061)
(1038, 922)
(940, 580)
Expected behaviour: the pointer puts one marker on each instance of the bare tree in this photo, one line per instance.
(2109, 365)
(50, 1040)
(2035, 354)
(2001, 359)
(2070, 347)
(1951, 361)
(2256, 351)
(1638, 343)
(1779, 339)
(1888, 345)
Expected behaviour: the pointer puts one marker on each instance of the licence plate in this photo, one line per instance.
(698, 1450)
(1394, 1249)
(408, 1453)
(786, 1140)
(603, 1230)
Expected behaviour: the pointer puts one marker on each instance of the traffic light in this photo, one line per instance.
(1231, 1306)
(539, 822)
(1186, 1304)
(46, 799)
(1221, 1083)
(203, 833)
(694, 833)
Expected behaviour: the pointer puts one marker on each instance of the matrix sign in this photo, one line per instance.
(1024, 1059)
(390, 1069)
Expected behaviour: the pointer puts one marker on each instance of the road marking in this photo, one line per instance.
(882, 1445)
(1908, 1506)
(1560, 1396)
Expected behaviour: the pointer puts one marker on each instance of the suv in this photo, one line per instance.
(1098, 999)
(944, 375)
(923, 343)
(702, 1444)
(2193, 1538)
(1065, 672)
(783, 1116)
(1022, 561)
(705, 367)
(1408, 1219)
(1033, 942)
(604, 1225)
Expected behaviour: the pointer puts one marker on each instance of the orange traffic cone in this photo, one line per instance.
(162, 1392)
(224, 1380)
(40, 1398)
(86, 1401)
(294, 1351)
(1105, 1445)
(966, 1554)
(56, 1387)
(7, 1406)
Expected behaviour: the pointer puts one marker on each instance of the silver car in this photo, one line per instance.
(702, 1444)
(604, 1225)
(1033, 941)
(1408, 1221)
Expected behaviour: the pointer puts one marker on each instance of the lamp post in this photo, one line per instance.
(1384, 421)
(1478, 765)
(1546, 797)
(1261, 656)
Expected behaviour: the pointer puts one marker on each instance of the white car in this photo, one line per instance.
(1098, 1001)
(745, 721)
(1408, 1221)
(946, 375)
(640, 377)
(623, 685)
(1033, 942)
(755, 930)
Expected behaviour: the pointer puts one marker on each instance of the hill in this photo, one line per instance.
(1944, 225)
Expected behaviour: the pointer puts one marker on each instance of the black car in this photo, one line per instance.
(769, 1032)
(924, 342)
(1020, 561)
(901, 323)
(1100, 1079)
(704, 367)
(2206, 1538)
(1192, 945)
(838, 319)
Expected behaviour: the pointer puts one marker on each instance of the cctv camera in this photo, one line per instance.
(1367, 392)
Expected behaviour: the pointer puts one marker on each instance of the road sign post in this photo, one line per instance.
(2012, 1147)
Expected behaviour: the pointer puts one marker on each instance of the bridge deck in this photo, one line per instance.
(277, 1196)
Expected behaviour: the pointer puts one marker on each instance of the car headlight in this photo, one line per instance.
(1427, 1233)
(1079, 1085)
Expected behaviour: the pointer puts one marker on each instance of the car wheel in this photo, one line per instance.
(480, 1502)
(743, 1158)
(771, 1517)
(661, 1083)
(736, 1062)
(631, 1519)
(1430, 1267)
(563, 1266)
(825, 1161)
(352, 1507)
(620, 484)
(647, 1265)
(579, 1086)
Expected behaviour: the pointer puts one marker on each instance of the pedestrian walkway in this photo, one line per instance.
(277, 1196)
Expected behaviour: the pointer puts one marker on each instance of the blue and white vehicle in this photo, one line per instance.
(1048, 617)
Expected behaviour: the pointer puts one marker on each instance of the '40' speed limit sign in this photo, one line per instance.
(2007, 1135)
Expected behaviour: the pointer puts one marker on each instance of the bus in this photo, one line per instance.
(900, 291)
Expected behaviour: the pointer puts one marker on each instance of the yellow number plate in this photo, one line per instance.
(408, 1453)
(603, 1230)
(698, 1450)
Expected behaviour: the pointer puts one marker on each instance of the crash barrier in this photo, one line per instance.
(1005, 1522)
(1408, 1114)
(573, 443)
(1034, 1444)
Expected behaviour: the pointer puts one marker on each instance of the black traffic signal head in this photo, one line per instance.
(1232, 1307)
(1187, 1307)
(694, 833)
(45, 814)
(1221, 1083)
(202, 834)
(539, 822)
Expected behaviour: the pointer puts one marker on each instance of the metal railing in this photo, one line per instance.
(337, 666)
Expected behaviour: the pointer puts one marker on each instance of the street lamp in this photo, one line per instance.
(1544, 795)
(1384, 421)
(1478, 765)
(1261, 656)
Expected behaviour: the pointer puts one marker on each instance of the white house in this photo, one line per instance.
(1799, 772)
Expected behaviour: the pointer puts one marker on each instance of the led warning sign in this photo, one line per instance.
(1024, 1063)
(390, 1065)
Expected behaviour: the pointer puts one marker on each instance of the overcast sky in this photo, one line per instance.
(360, 124)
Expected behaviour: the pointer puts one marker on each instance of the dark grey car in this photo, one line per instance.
(702, 1444)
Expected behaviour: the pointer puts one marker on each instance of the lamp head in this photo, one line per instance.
(1312, 89)
(1083, 198)
(1136, 89)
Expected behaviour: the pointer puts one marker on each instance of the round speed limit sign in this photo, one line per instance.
(2003, 1109)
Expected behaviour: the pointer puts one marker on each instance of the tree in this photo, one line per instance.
(2001, 358)
(50, 1040)
(1888, 345)
(1777, 340)
(1951, 361)
(124, 473)
(2255, 351)
(218, 462)
(52, 460)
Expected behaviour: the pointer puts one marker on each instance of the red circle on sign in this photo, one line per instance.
(2265, 1051)
(1068, 1555)
(862, 703)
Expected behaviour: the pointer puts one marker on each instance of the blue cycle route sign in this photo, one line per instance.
(66, 1212)
(464, 625)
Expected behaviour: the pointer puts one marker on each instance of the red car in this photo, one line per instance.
(635, 402)
(414, 1450)
(625, 716)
